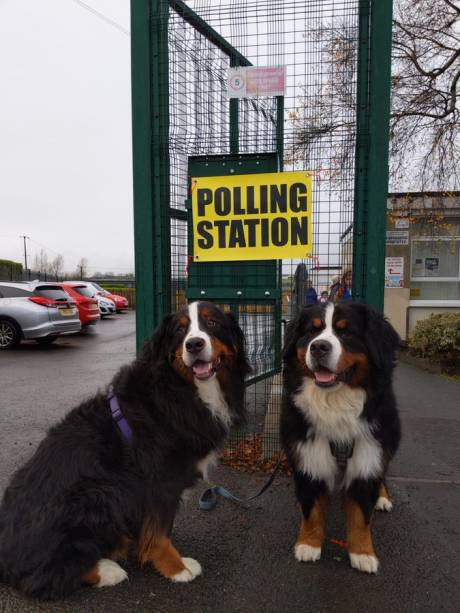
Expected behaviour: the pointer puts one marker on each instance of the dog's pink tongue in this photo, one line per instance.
(201, 369)
(324, 376)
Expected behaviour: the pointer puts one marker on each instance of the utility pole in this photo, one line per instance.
(24, 237)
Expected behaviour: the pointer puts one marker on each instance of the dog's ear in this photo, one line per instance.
(155, 348)
(382, 339)
(293, 332)
(239, 342)
(236, 331)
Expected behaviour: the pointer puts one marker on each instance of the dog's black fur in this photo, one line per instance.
(368, 334)
(86, 488)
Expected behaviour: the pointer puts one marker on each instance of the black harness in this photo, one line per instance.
(342, 452)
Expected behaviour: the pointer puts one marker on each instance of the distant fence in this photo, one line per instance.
(10, 271)
(129, 282)
(128, 292)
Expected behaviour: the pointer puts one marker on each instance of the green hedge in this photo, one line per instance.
(115, 288)
(10, 271)
(437, 337)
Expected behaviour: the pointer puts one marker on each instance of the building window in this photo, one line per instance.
(435, 268)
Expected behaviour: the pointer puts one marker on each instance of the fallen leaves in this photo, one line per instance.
(248, 456)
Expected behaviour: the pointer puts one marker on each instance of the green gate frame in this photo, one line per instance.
(371, 162)
(150, 95)
(205, 278)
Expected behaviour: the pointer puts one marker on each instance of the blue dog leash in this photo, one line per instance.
(209, 498)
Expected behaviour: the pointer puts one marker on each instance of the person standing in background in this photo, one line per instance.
(341, 290)
(311, 297)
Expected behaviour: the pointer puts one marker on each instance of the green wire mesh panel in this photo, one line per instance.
(321, 126)
(201, 122)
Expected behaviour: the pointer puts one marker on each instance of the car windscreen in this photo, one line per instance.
(52, 293)
(83, 290)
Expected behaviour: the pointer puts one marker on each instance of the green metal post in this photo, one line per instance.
(280, 131)
(374, 68)
(234, 126)
(279, 263)
(379, 119)
(361, 154)
(150, 99)
(234, 115)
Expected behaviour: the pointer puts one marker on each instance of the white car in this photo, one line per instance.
(106, 306)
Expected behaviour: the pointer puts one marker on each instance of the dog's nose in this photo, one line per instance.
(194, 345)
(320, 348)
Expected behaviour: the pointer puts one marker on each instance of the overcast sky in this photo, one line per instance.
(65, 132)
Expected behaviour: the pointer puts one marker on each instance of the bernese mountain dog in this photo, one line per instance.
(95, 492)
(339, 425)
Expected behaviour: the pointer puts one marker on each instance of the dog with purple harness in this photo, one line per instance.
(106, 482)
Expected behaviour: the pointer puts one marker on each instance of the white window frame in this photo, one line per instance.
(433, 240)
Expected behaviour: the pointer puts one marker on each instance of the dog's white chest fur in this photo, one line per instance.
(335, 415)
(211, 395)
(333, 412)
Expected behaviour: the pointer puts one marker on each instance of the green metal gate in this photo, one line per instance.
(333, 122)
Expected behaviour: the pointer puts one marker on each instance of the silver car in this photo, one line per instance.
(38, 311)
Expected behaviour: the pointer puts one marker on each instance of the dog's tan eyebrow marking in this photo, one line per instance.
(205, 313)
(341, 324)
(184, 321)
(317, 323)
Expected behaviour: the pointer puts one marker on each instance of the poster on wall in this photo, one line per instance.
(431, 267)
(402, 223)
(394, 272)
(254, 81)
(397, 237)
(263, 216)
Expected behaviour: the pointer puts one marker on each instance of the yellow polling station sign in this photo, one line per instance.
(266, 216)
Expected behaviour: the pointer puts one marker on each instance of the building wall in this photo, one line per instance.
(432, 249)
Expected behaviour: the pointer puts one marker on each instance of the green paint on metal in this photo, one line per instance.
(142, 165)
(204, 28)
(265, 375)
(280, 130)
(361, 153)
(149, 66)
(371, 180)
(379, 117)
(216, 280)
(248, 288)
(234, 126)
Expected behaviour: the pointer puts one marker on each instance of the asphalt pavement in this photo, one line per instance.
(246, 552)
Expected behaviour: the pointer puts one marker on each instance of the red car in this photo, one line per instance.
(88, 308)
(120, 301)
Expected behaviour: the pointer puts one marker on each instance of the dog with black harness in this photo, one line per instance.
(340, 424)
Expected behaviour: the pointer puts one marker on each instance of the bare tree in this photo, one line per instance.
(425, 111)
(425, 118)
(57, 265)
(41, 263)
(82, 268)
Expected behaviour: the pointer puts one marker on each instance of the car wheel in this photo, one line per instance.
(9, 334)
(46, 340)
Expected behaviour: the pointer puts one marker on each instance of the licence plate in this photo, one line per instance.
(94, 307)
(67, 311)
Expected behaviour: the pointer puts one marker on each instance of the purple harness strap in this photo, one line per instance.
(118, 416)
